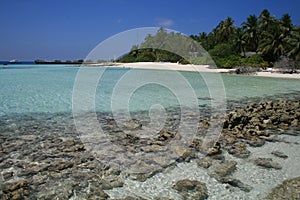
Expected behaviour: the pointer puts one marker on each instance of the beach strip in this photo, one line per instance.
(193, 68)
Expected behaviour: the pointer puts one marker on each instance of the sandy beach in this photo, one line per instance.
(166, 66)
(194, 68)
(173, 66)
(278, 75)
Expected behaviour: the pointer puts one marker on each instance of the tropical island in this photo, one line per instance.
(260, 42)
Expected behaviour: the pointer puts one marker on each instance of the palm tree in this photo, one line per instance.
(272, 46)
(203, 36)
(211, 40)
(203, 40)
(286, 28)
(239, 42)
(226, 29)
(251, 29)
(286, 25)
(266, 20)
(279, 37)
(294, 44)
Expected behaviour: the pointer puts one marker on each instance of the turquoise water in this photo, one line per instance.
(49, 89)
(36, 104)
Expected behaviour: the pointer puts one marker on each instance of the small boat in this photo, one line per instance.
(13, 61)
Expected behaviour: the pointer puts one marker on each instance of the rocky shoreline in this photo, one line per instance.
(47, 159)
(288, 189)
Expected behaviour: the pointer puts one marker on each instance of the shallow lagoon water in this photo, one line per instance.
(48, 89)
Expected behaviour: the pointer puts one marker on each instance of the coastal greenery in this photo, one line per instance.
(163, 47)
(260, 41)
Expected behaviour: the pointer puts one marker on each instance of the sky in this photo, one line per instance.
(70, 29)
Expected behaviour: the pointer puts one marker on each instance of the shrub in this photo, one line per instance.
(221, 51)
(253, 61)
(145, 57)
(229, 62)
(232, 61)
(128, 58)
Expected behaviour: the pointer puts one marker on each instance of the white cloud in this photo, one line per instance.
(164, 22)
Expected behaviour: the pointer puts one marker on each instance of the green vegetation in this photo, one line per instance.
(166, 47)
(265, 39)
(259, 42)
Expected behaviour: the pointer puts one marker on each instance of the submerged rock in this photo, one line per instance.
(162, 198)
(182, 153)
(60, 165)
(16, 190)
(131, 124)
(209, 147)
(288, 189)
(251, 123)
(141, 171)
(191, 189)
(239, 150)
(15, 186)
(236, 183)
(204, 162)
(256, 142)
(219, 157)
(295, 122)
(7, 175)
(279, 154)
(165, 135)
(131, 198)
(222, 169)
(216, 149)
(111, 182)
(267, 163)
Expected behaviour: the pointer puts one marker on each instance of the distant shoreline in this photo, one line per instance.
(194, 68)
(273, 73)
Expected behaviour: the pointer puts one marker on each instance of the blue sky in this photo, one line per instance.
(70, 29)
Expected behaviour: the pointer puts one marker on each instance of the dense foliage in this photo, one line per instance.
(259, 42)
(164, 47)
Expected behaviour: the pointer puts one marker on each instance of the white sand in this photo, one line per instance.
(199, 68)
(278, 75)
(168, 66)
